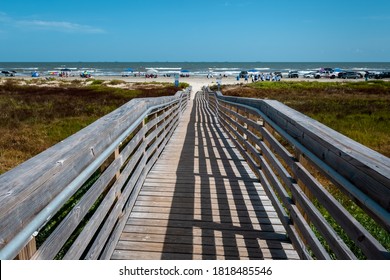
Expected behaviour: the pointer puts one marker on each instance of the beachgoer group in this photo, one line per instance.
(261, 77)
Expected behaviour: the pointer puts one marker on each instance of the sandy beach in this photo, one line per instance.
(197, 82)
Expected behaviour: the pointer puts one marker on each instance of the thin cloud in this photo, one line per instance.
(239, 4)
(4, 17)
(58, 26)
(377, 18)
(61, 26)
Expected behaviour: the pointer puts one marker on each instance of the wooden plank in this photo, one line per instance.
(188, 211)
(190, 200)
(264, 224)
(228, 252)
(232, 230)
(198, 239)
(208, 204)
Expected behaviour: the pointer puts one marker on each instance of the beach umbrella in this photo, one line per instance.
(185, 71)
(129, 70)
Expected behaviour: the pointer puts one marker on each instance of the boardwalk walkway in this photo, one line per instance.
(201, 201)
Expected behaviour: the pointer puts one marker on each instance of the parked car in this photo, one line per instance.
(293, 74)
(328, 75)
(382, 75)
(10, 73)
(310, 75)
(371, 75)
(243, 74)
(316, 75)
(349, 75)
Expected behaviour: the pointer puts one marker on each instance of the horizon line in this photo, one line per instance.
(59, 61)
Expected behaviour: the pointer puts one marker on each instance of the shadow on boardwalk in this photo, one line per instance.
(201, 201)
(221, 211)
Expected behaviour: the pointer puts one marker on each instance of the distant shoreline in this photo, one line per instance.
(116, 69)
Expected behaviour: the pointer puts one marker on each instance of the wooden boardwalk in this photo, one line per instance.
(202, 201)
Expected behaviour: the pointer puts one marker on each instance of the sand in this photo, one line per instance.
(197, 82)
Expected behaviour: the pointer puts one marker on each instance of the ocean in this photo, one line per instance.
(191, 68)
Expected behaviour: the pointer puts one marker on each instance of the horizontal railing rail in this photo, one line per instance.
(73, 198)
(314, 176)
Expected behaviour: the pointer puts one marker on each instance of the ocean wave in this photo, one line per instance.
(224, 69)
(163, 68)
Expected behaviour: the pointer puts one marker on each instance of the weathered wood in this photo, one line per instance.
(110, 245)
(114, 214)
(24, 189)
(28, 251)
(201, 184)
(359, 164)
(311, 139)
(264, 177)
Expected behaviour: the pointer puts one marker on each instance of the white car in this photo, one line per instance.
(310, 75)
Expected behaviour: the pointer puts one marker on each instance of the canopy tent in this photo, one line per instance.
(184, 73)
(253, 72)
(152, 71)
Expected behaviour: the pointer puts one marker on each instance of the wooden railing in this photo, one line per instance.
(75, 197)
(314, 176)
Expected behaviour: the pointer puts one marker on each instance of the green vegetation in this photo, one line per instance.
(359, 110)
(36, 114)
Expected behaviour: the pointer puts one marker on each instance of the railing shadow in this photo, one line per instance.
(228, 216)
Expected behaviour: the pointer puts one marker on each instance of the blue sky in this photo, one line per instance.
(213, 30)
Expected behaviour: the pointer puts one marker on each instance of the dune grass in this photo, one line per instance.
(359, 110)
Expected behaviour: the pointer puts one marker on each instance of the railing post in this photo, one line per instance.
(28, 251)
(116, 155)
